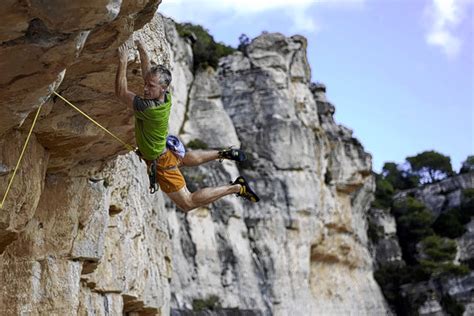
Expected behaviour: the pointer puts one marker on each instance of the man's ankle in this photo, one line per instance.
(236, 188)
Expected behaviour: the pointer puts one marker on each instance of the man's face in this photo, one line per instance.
(153, 89)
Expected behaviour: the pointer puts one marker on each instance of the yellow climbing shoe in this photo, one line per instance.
(245, 190)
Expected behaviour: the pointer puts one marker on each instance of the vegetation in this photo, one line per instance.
(427, 244)
(390, 278)
(206, 52)
(383, 193)
(467, 165)
(413, 224)
(450, 224)
(212, 302)
(451, 306)
(438, 249)
(244, 42)
(197, 144)
(469, 263)
(399, 178)
(375, 232)
(431, 166)
(467, 202)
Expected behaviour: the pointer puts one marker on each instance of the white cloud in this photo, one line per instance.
(253, 6)
(296, 10)
(443, 20)
(303, 22)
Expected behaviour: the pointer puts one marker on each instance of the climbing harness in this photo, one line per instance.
(127, 146)
(152, 177)
(174, 145)
(151, 167)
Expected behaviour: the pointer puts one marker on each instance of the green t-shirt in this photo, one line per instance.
(151, 125)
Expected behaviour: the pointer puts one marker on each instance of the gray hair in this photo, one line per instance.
(163, 74)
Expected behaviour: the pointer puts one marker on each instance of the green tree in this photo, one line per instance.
(244, 41)
(451, 306)
(438, 255)
(383, 193)
(431, 166)
(414, 222)
(206, 52)
(450, 224)
(467, 203)
(399, 178)
(468, 165)
(438, 249)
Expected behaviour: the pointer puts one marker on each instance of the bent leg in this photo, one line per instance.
(198, 157)
(188, 201)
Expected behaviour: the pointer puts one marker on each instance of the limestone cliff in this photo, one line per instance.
(80, 235)
(303, 249)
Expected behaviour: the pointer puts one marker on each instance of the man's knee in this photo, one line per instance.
(186, 206)
(190, 159)
(183, 200)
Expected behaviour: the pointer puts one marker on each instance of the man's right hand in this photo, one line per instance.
(123, 53)
(144, 59)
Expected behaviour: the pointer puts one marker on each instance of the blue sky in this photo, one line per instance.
(400, 72)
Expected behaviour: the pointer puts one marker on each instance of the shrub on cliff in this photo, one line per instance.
(197, 144)
(399, 177)
(383, 193)
(467, 201)
(468, 165)
(414, 222)
(438, 249)
(206, 52)
(390, 277)
(451, 306)
(212, 302)
(450, 224)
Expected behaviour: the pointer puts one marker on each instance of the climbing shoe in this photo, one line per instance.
(232, 154)
(245, 191)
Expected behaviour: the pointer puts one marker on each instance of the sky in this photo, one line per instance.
(399, 72)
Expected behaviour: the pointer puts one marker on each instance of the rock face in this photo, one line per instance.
(303, 249)
(91, 245)
(443, 195)
(438, 198)
(386, 249)
(80, 235)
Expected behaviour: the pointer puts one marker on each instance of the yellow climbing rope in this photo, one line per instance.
(21, 157)
(127, 146)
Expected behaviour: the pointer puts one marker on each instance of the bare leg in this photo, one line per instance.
(198, 157)
(188, 201)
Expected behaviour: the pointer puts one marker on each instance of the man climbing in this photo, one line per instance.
(151, 130)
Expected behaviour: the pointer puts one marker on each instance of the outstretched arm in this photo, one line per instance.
(121, 87)
(144, 59)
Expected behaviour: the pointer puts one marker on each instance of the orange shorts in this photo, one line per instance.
(168, 175)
